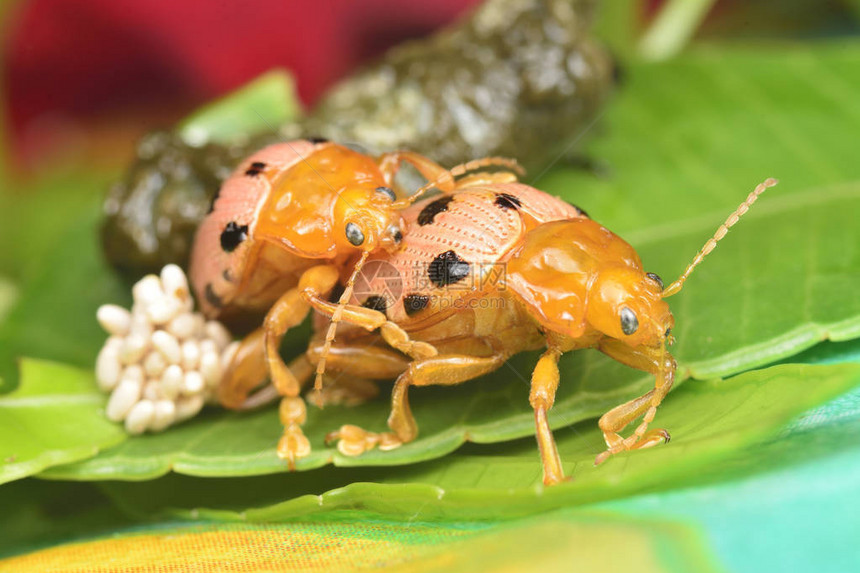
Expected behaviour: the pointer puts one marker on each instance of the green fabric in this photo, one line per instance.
(803, 515)
(800, 511)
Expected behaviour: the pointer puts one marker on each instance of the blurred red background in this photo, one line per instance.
(81, 79)
(121, 66)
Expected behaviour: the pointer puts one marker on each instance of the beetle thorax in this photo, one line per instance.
(577, 278)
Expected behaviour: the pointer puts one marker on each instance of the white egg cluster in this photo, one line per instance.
(162, 361)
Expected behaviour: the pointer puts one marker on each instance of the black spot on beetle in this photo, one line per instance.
(233, 235)
(429, 212)
(507, 201)
(376, 302)
(413, 303)
(447, 268)
(255, 169)
(316, 140)
(211, 297)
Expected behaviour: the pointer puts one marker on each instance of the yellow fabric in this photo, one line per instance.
(240, 548)
(552, 542)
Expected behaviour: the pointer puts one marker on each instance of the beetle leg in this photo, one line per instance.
(446, 370)
(361, 359)
(289, 311)
(441, 178)
(371, 319)
(346, 391)
(486, 178)
(541, 397)
(358, 315)
(649, 359)
(247, 370)
(399, 339)
(389, 165)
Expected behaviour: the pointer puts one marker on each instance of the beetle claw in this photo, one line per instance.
(293, 445)
(354, 441)
(648, 440)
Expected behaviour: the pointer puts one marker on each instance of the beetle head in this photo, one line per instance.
(626, 303)
(365, 219)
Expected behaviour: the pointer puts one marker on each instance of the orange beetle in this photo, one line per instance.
(284, 226)
(498, 269)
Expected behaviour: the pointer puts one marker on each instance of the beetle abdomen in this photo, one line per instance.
(456, 246)
(224, 245)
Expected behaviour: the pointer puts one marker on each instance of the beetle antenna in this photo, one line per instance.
(676, 286)
(335, 319)
(462, 169)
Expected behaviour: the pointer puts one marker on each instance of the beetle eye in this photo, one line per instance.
(354, 234)
(388, 192)
(656, 278)
(629, 322)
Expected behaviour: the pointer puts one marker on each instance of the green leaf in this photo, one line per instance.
(710, 422)
(854, 6)
(767, 292)
(55, 417)
(830, 353)
(37, 514)
(37, 215)
(492, 409)
(8, 295)
(260, 106)
(729, 325)
(54, 315)
(685, 141)
(692, 136)
(617, 25)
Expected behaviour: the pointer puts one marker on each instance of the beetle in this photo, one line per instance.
(288, 221)
(569, 284)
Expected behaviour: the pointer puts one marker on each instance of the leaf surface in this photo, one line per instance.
(722, 316)
(55, 417)
(787, 277)
(710, 421)
(262, 105)
(490, 410)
